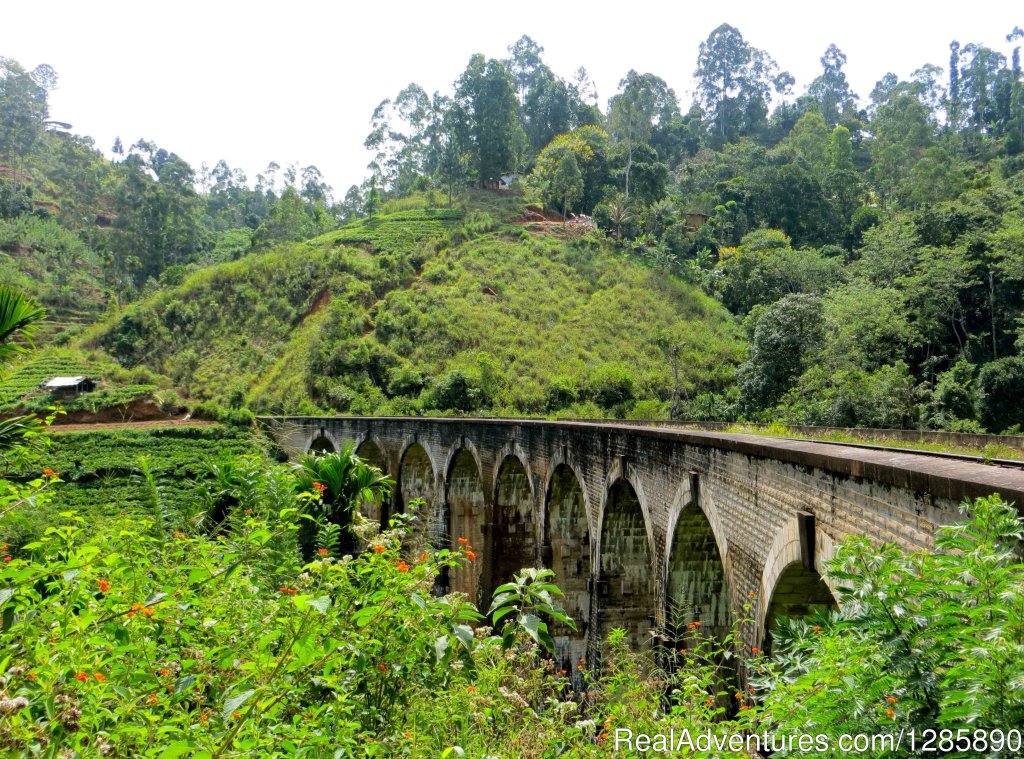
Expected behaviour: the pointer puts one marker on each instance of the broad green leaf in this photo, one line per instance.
(233, 703)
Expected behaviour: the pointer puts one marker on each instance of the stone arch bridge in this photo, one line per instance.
(651, 528)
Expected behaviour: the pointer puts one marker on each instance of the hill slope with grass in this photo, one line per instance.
(439, 310)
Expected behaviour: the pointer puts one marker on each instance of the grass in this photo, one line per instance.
(990, 451)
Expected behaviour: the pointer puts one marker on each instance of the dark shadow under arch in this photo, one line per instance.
(371, 453)
(322, 444)
(513, 543)
(798, 592)
(697, 586)
(567, 552)
(626, 587)
(465, 504)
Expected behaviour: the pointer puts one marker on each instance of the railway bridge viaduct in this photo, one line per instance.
(651, 528)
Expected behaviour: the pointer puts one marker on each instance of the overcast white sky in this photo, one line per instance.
(298, 82)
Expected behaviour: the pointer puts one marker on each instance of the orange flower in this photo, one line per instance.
(755, 650)
(602, 737)
(463, 540)
(236, 715)
(691, 626)
(152, 699)
(408, 734)
(32, 675)
(104, 585)
(81, 677)
(696, 623)
(423, 556)
(204, 718)
(322, 551)
(99, 678)
(744, 707)
(816, 628)
(382, 666)
(739, 696)
(470, 555)
(751, 594)
(50, 473)
(402, 566)
(165, 671)
(379, 549)
(891, 713)
(891, 699)
(709, 701)
(319, 487)
(751, 691)
(288, 591)
(471, 688)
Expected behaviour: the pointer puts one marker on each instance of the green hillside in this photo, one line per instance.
(435, 310)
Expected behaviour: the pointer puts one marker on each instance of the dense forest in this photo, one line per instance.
(870, 249)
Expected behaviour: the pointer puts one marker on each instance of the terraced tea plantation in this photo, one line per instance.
(102, 471)
(404, 230)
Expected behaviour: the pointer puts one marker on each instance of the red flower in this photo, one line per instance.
(470, 555)
(322, 551)
(288, 591)
(104, 586)
(402, 566)
(7, 558)
(382, 666)
(81, 677)
(379, 549)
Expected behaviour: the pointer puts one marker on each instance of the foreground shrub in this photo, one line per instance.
(925, 640)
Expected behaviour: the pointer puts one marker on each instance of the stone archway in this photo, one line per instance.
(322, 444)
(466, 505)
(370, 452)
(626, 584)
(567, 552)
(513, 543)
(798, 592)
(697, 587)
